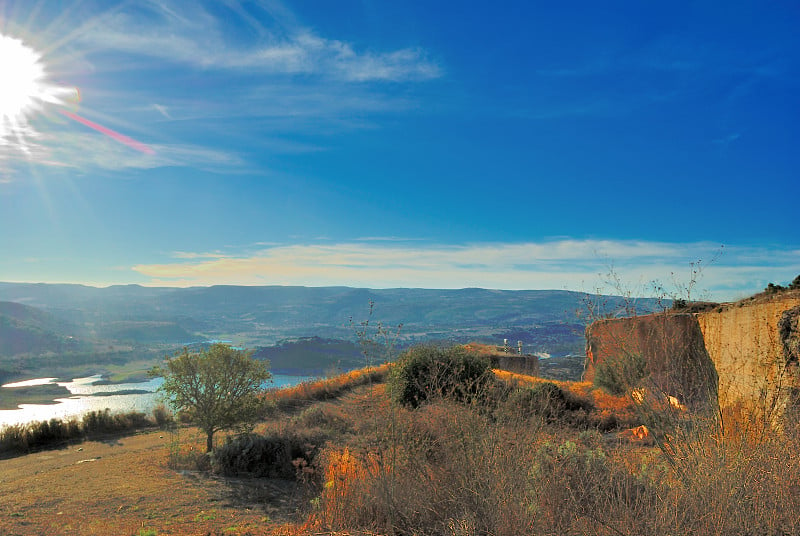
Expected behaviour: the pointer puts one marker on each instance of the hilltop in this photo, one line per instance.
(340, 457)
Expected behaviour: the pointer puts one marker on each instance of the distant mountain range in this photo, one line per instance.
(46, 317)
(25, 329)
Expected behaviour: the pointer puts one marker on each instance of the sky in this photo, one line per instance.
(514, 145)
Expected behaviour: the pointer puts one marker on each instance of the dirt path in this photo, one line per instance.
(123, 486)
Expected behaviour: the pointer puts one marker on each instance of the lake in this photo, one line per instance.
(86, 397)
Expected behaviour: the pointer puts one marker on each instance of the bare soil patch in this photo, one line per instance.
(124, 486)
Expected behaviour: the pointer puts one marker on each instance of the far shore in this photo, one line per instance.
(12, 397)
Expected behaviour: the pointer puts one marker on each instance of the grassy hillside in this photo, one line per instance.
(340, 457)
(25, 329)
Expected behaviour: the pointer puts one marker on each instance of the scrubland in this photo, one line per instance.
(494, 453)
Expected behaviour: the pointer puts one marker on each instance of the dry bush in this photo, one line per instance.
(581, 488)
(21, 439)
(326, 417)
(99, 423)
(286, 454)
(163, 417)
(445, 466)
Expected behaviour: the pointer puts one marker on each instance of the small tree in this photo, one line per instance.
(220, 387)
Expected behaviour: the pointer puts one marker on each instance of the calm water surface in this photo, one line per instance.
(86, 397)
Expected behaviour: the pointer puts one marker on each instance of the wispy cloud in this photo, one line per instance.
(277, 70)
(560, 264)
(281, 47)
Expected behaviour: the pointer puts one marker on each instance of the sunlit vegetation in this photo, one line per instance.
(219, 388)
(303, 393)
(520, 455)
(25, 438)
(516, 460)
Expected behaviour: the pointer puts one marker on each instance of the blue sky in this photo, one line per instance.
(518, 145)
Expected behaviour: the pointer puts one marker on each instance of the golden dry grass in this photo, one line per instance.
(444, 468)
(329, 388)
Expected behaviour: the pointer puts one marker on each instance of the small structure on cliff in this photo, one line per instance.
(500, 358)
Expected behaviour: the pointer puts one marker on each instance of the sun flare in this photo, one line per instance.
(24, 90)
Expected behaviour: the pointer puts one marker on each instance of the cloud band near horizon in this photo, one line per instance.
(725, 273)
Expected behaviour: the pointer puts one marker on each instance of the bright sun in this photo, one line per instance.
(24, 87)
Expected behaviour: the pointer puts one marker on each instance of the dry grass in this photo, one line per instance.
(306, 392)
(448, 468)
(445, 468)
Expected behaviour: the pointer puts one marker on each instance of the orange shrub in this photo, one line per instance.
(348, 490)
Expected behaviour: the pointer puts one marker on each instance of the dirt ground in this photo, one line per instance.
(123, 486)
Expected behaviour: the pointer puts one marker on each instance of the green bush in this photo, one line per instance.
(429, 372)
(619, 374)
(548, 402)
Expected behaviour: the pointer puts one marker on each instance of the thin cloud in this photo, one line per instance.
(209, 255)
(563, 264)
(200, 41)
(163, 110)
(280, 70)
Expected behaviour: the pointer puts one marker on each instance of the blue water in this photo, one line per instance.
(84, 398)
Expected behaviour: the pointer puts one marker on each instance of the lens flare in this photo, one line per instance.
(24, 90)
(130, 142)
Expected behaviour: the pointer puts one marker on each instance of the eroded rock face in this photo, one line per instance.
(745, 354)
(673, 349)
(749, 353)
(789, 333)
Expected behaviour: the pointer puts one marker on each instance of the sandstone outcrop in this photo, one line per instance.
(743, 354)
(671, 346)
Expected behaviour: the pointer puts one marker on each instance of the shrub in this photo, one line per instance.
(772, 288)
(163, 417)
(324, 417)
(277, 455)
(23, 438)
(620, 374)
(546, 400)
(449, 470)
(679, 303)
(104, 422)
(578, 484)
(795, 284)
(427, 371)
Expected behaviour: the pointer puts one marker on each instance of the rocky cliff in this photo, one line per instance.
(745, 354)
